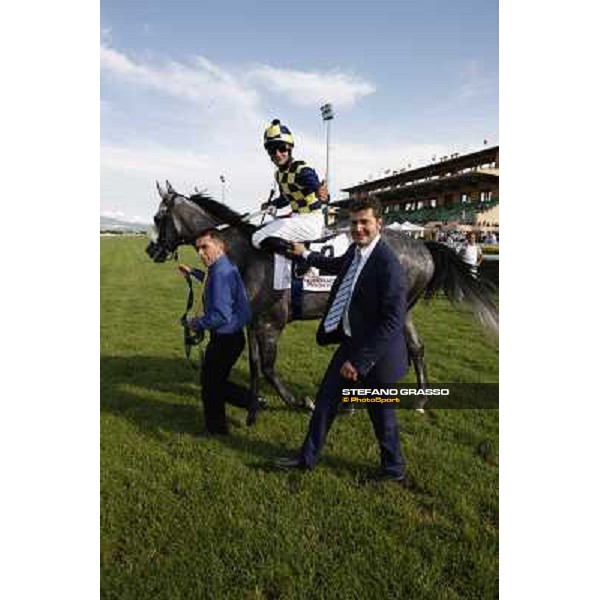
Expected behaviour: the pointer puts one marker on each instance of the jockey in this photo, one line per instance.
(299, 188)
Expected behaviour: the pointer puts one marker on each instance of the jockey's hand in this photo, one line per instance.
(349, 371)
(184, 270)
(323, 192)
(298, 249)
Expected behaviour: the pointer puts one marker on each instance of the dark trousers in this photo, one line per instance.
(222, 352)
(327, 402)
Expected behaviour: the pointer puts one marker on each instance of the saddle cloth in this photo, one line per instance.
(312, 281)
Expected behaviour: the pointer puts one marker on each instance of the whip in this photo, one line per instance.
(266, 210)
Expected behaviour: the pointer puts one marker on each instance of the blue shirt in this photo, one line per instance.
(226, 306)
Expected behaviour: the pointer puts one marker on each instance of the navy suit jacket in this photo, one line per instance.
(377, 313)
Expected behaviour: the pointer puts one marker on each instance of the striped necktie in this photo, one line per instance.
(343, 296)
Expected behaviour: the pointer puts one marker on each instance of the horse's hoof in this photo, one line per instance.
(421, 411)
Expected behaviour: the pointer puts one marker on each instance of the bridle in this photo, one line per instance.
(161, 248)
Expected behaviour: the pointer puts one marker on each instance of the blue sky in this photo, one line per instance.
(187, 89)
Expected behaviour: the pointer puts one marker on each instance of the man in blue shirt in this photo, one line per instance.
(226, 312)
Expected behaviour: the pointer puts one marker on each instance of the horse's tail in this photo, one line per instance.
(453, 276)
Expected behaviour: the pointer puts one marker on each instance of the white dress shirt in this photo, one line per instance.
(365, 252)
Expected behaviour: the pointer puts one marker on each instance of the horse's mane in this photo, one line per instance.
(222, 212)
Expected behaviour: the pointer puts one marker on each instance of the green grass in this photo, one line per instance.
(189, 517)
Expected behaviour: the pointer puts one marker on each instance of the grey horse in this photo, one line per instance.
(430, 267)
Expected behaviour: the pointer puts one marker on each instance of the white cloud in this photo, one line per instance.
(129, 174)
(226, 122)
(149, 161)
(225, 114)
(200, 82)
(203, 80)
(112, 214)
(310, 88)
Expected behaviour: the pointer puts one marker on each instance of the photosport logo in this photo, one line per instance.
(438, 395)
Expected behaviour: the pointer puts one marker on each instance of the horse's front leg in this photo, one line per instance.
(267, 335)
(416, 348)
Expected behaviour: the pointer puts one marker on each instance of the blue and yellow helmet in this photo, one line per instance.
(277, 133)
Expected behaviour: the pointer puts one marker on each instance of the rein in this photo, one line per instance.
(190, 337)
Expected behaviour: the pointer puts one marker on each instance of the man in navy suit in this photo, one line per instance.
(365, 315)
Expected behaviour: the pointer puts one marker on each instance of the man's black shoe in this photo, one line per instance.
(290, 463)
(383, 476)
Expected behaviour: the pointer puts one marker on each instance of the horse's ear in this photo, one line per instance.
(161, 192)
(170, 188)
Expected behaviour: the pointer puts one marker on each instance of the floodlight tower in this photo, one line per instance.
(222, 178)
(327, 114)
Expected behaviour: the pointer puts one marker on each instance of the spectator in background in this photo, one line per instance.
(471, 252)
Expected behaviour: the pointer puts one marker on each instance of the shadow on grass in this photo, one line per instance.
(158, 375)
(263, 453)
(181, 414)
(174, 375)
(165, 376)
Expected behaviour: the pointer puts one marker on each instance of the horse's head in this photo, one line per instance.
(177, 222)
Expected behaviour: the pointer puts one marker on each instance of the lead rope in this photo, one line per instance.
(191, 338)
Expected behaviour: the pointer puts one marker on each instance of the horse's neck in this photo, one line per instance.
(192, 219)
(239, 247)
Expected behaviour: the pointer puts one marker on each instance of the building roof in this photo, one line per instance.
(442, 170)
(442, 184)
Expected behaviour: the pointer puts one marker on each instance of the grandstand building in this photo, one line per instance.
(457, 189)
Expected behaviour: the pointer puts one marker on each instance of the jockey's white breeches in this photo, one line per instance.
(297, 228)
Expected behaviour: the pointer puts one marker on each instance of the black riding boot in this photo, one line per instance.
(301, 266)
(278, 246)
